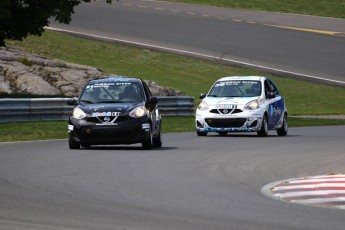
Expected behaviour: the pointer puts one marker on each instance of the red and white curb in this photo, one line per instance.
(324, 191)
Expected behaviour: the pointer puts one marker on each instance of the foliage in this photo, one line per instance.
(19, 18)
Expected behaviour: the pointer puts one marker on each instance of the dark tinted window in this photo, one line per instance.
(112, 92)
(236, 88)
(273, 87)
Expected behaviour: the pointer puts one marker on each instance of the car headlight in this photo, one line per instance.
(252, 105)
(203, 106)
(138, 112)
(78, 113)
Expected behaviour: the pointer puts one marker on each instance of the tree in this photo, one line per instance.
(20, 18)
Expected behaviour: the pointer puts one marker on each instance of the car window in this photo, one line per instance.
(268, 88)
(236, 88)
(112, 92)
(273, 87)
(146, 90)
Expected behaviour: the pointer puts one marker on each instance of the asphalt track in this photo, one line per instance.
(193, 182)
(296, 45)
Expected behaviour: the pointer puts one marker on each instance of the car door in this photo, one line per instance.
(279, 104)
(272, 105)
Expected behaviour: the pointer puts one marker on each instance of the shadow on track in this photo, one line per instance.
(124, 148)
(251, 135)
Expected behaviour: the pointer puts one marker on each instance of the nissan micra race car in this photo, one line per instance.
(115, 111)
(242, 104)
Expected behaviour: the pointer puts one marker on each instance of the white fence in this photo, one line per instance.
(55, 109)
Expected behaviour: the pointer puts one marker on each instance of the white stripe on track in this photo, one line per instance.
(317, 180)
(320, 200)
(329, 176)
(310, 193)
(196, 55)
(336, 185)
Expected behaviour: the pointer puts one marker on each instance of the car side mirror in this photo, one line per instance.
(151, 103)
(202, 96)
(271, 95)
(72, 101)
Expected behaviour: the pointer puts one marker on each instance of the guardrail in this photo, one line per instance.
(55, 109)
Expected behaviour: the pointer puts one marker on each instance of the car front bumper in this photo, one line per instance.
(244, 122)
(91, 134)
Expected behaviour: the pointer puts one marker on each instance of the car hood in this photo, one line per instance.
(228, 100)
(114, 107)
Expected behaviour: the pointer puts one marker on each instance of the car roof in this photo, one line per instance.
(112, 79)
(231, 78)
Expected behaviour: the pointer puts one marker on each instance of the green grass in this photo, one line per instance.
(326, 8)
(191, 76)
(27, 131)
(188, 75)
(45, 130)
(304, 122)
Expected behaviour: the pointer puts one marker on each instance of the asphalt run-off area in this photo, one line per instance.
(323, 191)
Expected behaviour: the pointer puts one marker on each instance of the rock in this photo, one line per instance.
(159, 90)
(33, 84)
(4, 85)
(25, 73)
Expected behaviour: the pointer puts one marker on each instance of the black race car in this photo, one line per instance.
(115, 110)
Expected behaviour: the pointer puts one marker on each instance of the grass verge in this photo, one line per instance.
(326, 8)
(46, 130)
(188, 75)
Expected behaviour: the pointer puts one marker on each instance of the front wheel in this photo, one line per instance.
(157, 141)
(264, 127)
(284, 129)
(201, 134)
(147, 144)
(73, 144)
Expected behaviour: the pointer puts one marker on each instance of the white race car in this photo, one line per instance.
(242, 104)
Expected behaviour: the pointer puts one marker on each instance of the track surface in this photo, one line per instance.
(193, 182)
(229, 35)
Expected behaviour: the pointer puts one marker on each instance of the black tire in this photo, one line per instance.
(223, 133)
(201, 134)
(157, 141)
(147, 144)
(73, 144)
(264, 127)
(285, 127)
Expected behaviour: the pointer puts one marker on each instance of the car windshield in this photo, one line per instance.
(112, 92)
(236, 88)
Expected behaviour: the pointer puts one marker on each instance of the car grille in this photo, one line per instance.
(225, 123)
(101, 119)
(226, 111)
(101, 134)
(109, 135)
